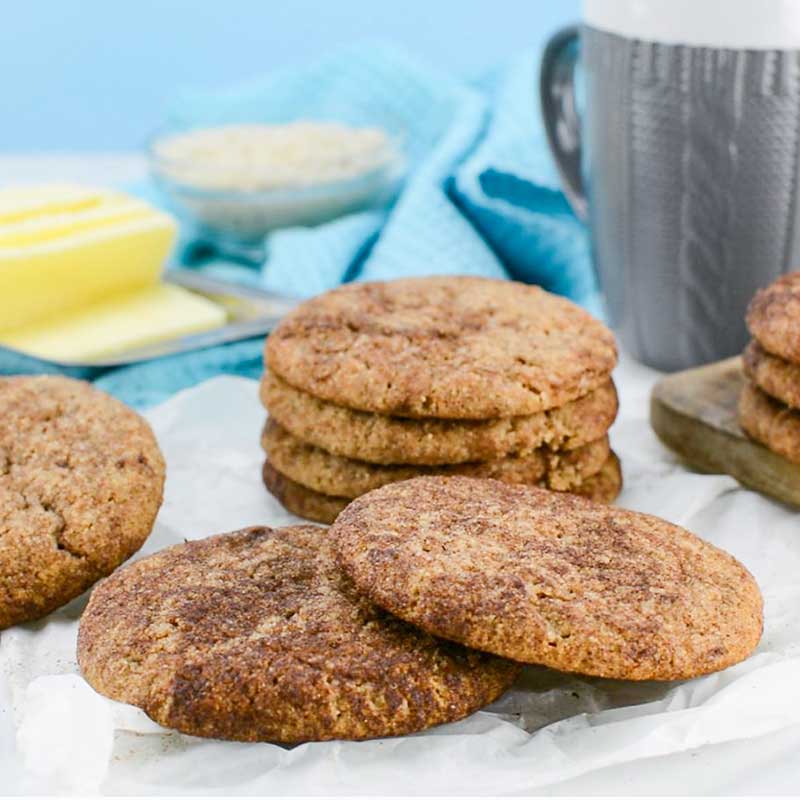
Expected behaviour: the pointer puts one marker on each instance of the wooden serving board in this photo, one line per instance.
(694, 413)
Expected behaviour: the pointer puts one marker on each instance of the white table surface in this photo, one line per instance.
(757, 766)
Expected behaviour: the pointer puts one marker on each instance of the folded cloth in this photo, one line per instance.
(508, 188)
(481, 196)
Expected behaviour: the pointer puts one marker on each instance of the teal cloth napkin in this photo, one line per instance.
(481, 195)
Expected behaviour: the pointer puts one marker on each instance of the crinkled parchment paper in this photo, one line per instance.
(737, 730)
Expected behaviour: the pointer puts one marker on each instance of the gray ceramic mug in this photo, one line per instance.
(684, 162)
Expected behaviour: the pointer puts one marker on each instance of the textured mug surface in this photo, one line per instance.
(691, 173)
(684, 162)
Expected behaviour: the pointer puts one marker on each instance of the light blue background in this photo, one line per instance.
(98, 74)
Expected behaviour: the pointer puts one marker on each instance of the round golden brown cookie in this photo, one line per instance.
(256, 635)
(346, 477)
(550, 578)
(382, 439)
(81, 481)
(777, 377)
(446, 347)
(770, 422)
(603, 487)
(773, 317)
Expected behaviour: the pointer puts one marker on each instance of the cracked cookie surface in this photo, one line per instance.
(384, 439)
(81, 481)
(550, 578)
(444, 347)
(257, 635)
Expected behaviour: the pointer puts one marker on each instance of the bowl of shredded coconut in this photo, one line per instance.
(238, 182)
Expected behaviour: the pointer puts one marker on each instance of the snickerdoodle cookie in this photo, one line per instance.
(773, 317)
(256, 635)
(81, 481)
(770, 422)
(602, 487)
(383, 439)
(346, 477)
(776, 376)
(549, 578)
(445, 347)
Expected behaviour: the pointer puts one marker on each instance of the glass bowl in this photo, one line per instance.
(202, 196)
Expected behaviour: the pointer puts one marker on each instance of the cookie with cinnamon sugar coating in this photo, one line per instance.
(448, 347)
(385, 439)
(256, 635)
(602, 487)
(81, 482)
(550, 578)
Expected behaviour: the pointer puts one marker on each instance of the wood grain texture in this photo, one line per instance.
(694, 413)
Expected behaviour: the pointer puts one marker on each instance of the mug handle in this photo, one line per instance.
(560, 113)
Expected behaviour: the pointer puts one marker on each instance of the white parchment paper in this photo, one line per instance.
(551, 733)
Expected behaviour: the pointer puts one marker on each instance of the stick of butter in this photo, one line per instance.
(133, 320)
(80, 274)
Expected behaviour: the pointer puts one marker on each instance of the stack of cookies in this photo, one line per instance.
(769, 406)
(375, 383)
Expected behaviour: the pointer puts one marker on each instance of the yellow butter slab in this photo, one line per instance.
(18, 203)
(144, 317)
(63, 224)
(41, 280)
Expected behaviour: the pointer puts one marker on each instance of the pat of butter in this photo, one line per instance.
(61, 254)
(80, 275)
(18, 203)
(133, 320)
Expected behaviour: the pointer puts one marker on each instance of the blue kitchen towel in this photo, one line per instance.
(508, 188)
(439, 119)
(481, 195)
